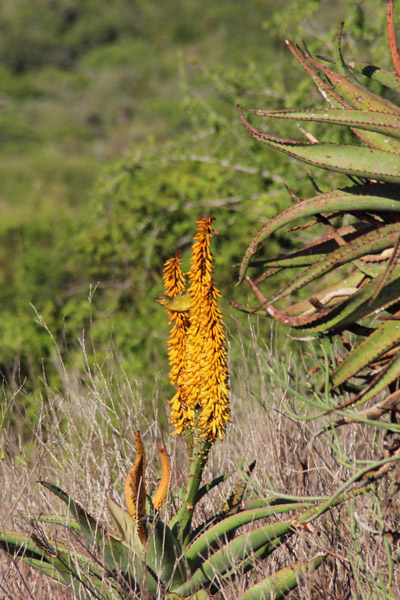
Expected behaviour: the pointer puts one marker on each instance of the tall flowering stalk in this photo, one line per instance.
(198, 359)
(206, 373)
(197, 345)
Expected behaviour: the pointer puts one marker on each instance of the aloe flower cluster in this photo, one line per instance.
(197, 346)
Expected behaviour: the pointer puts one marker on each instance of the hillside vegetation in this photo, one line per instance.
(119, 130)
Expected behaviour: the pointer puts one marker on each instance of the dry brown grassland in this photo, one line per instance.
(84, 443)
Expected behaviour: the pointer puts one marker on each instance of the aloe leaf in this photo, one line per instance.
(387, 376)
(54, 560)
(387, 124)
(360, 305)
(240, 550)
(356, 198)
(357, 95)
(17, 544)
(373, 241)
(277, 586)
(116, 554)
(77, 570)
(129, 555)
(269, 501)
(384, 338)
(370, 163)
(338, 59)
(125, 524)
(80, 571)
(288, 262)
(376, 129)
(300, 259)
(237, 552)
(199, 595)
(344, 92)
(327, 92)
(347, 312)
(339, 290)
(340, 91)
(382, 76)
(314, 251)
(129, 564)
(214, 536)
(46, 568)
(79, 578)
(219, 563)
(57, 563)
(164, 555)
(54, 520)
(88, 524)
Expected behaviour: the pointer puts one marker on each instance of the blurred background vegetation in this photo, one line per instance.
(118, 130)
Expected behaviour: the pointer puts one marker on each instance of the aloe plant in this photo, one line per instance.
(119, 566)
(151, 558)
(351, 266)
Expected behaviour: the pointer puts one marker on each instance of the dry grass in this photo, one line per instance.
(84, 443)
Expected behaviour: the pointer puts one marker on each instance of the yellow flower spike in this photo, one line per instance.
(177, 302)
(174, 279)
(197, 346)
(135, 488)
(206, 373)
(162, 490)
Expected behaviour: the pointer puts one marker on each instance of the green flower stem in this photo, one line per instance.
(201, 449)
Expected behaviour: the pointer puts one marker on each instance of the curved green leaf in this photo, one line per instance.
(388, 375)
(339, 290)
(343, 91)
(125, 524)
(376, 129)
(233, 553)
(272, 501)
(77, 570)
(236, 554)
(164, 555)
(384, 338)
(360, 161)
(202, 546)
(357, 95)
(347, 312)
(55, 560)
(382, 76)
(18, 544)
(371, 242)
(357, 198)
(89, 525)
(70, 523)
(387, 124)
(277, 586)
